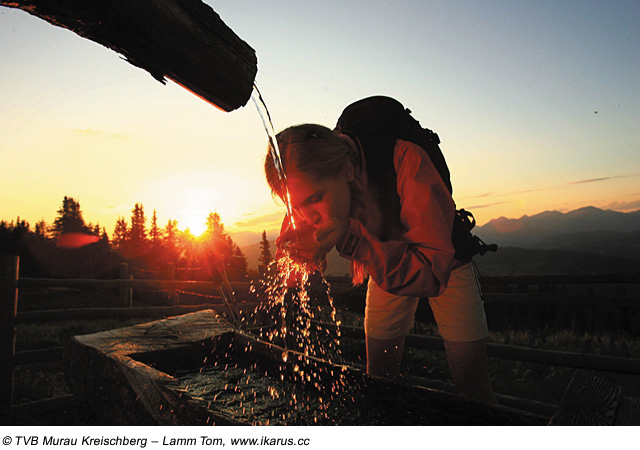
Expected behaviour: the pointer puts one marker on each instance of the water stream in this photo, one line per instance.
(263, 111)
(291, 312)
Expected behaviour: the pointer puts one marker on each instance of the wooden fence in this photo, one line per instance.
(225, 302)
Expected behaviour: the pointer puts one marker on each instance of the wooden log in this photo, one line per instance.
(239, 288)
(126, 293)
(557, 300)
(29, 410)
(39, 356)
(8, 310)
(128, 377)
(182, 40)
(562, 279)
(589, 400)
(57, 315)
(121, 390)
(628, 413)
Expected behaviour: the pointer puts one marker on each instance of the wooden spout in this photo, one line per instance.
(182, 40)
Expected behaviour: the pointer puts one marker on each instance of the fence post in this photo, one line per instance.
(8, 308)
(171, 276)
(126, 291)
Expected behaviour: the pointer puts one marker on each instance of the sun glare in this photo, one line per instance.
(195, 224)
(190, 198)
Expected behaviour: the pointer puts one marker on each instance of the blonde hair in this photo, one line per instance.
(322, 153)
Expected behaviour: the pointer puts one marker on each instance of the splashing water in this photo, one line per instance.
(298, 302)
(261, 106)
(293, 305)
(255, 381)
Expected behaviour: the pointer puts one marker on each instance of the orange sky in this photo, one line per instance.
(536, 105)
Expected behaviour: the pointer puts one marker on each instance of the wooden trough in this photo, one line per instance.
(196, 369)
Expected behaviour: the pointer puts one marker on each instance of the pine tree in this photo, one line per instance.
(120, 233)
(265, 250)
(138, 231)
(214, 226)
(240, 266)
(104, 237)
(69, 219)
(41, 228)
(154, 232)
(170, 235)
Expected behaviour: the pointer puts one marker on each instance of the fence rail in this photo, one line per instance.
(9, 318)
(517, 353)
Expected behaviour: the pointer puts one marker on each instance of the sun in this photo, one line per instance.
(195, 223)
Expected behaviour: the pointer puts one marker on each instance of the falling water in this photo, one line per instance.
(294, 332)
(273, 147)
(295, 311)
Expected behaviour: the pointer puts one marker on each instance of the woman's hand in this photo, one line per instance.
(308, 245)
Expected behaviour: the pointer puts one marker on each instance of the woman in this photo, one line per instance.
(405, 246)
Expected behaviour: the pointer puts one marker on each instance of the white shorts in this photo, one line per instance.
(459, 311)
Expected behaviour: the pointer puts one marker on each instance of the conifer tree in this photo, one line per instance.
(69, 219)
(154, 232)
(170, 235)
(120, 233)
(240, 266)
(104, 237)
(41, 228)
(138, 231)
(265, 250)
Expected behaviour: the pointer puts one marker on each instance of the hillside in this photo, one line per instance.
(336, 265)
(586, 230)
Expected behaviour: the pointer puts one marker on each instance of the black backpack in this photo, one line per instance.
(377, 122)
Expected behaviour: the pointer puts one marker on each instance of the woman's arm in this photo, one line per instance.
(418, 262)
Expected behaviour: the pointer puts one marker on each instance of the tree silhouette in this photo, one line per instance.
(120, 233)
(239, 265)
(41, 228)
(154, 232)
(265, 250)
(104, 237)
(171, 234)
(69, 219)
(214, 227)
(138, 231)
(220, 252)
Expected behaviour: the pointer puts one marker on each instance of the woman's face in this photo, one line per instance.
(318, 199)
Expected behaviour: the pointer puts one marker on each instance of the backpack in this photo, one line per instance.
(377, 122)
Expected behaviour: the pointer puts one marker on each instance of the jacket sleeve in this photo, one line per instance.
(419, 262)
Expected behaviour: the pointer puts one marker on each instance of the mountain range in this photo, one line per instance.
(584, 241)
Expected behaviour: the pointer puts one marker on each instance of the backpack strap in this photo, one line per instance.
(465, 243)
(378, 122)
(383, 120)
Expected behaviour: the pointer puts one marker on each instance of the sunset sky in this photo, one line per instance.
(537, 104)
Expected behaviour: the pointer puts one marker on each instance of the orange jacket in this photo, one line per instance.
(418, 261)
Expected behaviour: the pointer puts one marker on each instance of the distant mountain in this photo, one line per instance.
(252, 253)
(586, 230)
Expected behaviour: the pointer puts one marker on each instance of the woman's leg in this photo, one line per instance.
(388, 319)
(462, 323)
(468, 365)
(384, 356)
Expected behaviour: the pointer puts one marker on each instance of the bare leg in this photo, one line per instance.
(468, 365)
(384, 356)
